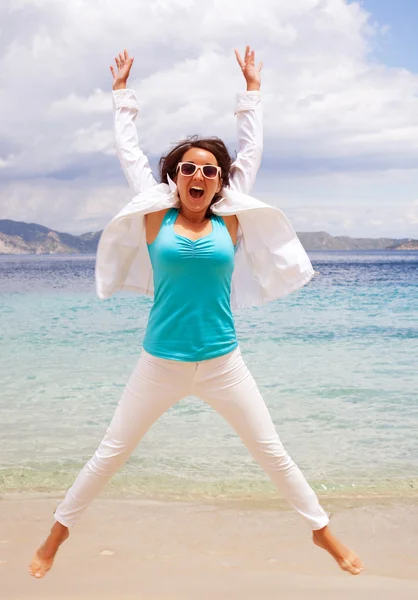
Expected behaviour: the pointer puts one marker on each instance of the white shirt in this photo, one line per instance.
(270, 261)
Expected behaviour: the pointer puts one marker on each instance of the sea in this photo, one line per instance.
(336, 362)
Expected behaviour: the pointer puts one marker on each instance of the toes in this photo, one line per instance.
(355, 568)
(38, 573)
(38, 570)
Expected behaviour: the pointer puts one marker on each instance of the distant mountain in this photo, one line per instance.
(91, 238)
(321, 240)
(407, 245)
(29, 238)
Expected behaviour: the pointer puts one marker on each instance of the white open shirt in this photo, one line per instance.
(270, 261)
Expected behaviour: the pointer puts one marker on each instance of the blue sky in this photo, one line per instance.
(340, 97)
(399, 46)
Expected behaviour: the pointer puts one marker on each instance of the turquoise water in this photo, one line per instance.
(336, 363)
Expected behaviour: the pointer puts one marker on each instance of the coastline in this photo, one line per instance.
(255, 490)
(131, 548)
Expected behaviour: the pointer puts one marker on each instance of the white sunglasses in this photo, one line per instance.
(188, 169)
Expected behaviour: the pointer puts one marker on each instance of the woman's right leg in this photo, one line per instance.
(154, 386)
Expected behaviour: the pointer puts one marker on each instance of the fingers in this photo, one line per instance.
(122, 59)
(249, 58)
(249, 55)
(239, 59)
(260, 66)
(112, 70)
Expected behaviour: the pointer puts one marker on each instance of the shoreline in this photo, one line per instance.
(263, 498)
(332, 504)
(260, 502)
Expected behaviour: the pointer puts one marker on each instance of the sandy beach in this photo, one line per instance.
(148, 550)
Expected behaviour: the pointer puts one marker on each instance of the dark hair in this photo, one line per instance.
(168, 164)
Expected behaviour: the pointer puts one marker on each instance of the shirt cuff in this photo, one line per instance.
(125, 99)
(247, 100)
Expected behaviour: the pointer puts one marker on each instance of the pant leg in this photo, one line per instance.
(227, 385)
(154, 386)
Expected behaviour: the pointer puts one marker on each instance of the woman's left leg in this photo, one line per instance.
(227, 385)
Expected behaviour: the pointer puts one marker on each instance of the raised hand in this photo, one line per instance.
(124, 64)
(249, 70)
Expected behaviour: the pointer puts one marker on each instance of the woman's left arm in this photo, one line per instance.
(249, 125)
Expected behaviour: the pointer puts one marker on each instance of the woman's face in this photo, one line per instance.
(197, 191)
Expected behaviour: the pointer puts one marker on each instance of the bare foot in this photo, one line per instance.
(347, 559)
(44, 556)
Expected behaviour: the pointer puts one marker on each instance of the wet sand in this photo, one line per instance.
(125, 549)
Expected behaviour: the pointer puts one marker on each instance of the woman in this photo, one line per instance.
(199, 244)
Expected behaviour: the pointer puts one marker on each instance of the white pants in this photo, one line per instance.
(223, 382)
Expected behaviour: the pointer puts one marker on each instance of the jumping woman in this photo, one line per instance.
(200, 245)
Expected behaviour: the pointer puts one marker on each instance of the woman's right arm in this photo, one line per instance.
(134, 163)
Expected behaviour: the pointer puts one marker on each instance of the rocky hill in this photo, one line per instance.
(29, 238)
(407, 245)
(321, 240)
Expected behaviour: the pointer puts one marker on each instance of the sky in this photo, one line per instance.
(339, 89)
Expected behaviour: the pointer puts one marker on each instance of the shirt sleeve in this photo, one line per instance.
(134, 163)
(250, 141)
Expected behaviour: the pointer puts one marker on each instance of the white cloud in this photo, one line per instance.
(93, 139)
(97, 102)
(7, 161)
(74, 207)
(412, 214)
(329, 109)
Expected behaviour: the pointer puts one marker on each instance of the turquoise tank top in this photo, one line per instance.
(191, 317)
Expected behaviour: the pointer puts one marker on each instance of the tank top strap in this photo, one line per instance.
(220, 229)
(217, 222)
(170, 216)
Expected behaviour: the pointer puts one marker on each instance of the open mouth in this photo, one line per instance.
(196, 192)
